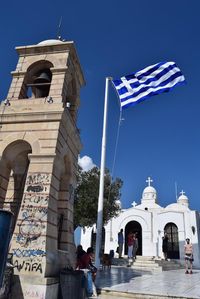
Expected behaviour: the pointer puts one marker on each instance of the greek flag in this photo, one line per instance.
(152, 80)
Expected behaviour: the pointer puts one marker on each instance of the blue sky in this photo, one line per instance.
(159, 137)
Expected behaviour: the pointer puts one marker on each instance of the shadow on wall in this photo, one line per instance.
(5, 290)
(16, 289)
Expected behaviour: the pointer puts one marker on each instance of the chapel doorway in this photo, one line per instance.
(135, 227)
(173, 242)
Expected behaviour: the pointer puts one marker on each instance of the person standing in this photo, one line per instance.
(188, 256)
(120, 242)
(130, 242)
(135, 245)
(165, 246)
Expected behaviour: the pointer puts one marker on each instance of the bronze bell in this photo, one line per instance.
(43, 77)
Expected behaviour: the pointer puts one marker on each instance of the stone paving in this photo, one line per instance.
(122, 282)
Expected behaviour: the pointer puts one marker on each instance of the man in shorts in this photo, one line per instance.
(188, 256)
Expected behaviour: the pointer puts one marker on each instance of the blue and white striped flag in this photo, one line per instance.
(152, 80)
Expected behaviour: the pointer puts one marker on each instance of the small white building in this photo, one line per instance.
(150, 221)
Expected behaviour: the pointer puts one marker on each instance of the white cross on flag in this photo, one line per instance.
(152, 80)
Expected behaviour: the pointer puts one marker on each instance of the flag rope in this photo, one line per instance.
(115, 151)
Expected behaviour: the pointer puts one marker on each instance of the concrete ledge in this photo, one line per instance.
(107, 294)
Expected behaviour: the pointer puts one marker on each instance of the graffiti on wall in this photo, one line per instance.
(34, 294)
(34, 208)
(30, 259)
(28, 252)
(32, 226)
(28, 266)
(37, 180)
(38, 291)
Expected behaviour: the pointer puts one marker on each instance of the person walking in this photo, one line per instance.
(120, 243)
(165, 246)
(188, 256)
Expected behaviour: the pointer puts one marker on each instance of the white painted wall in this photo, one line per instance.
(153, 223)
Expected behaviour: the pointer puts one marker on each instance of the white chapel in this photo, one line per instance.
(150, 221)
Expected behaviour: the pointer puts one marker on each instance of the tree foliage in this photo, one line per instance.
(86, 197)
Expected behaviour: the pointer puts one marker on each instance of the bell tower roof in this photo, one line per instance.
(61, 53)
(47, 72)
(50, 42)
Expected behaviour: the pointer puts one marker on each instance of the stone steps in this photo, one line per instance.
(169, 265)
(148, 263)
(144, 258)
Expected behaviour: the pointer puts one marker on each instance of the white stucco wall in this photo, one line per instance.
(153, 222)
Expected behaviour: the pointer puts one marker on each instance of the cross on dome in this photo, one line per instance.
(149, 181)
(182, 192)
(134, 204)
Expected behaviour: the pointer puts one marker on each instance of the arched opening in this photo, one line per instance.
(13, 171)
(173, 242)
(134, 227)
(37, 81)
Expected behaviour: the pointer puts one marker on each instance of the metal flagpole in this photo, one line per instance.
(101, 183)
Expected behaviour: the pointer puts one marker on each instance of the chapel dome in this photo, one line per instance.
(176, 207)
(149, 193)
(183, 199)
(149, 189)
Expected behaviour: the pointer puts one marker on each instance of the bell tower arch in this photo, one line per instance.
(39, 148)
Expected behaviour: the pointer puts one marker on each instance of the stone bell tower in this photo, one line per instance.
(39, 147)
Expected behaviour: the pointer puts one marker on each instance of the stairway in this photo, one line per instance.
(169, 265)
(148, 263)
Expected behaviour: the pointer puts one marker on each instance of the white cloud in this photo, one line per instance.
(86, 163)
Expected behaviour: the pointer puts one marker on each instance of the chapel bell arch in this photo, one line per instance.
(37, 81)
